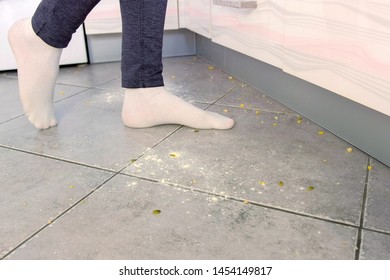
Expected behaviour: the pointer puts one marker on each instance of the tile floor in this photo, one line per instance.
(276, 186)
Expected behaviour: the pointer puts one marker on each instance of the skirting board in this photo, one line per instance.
(107, 47)
(361, 126)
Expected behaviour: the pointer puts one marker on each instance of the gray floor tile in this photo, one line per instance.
(89, 75)
(378, 206)
(117, 222)
(249, 98)
(9, 97)
(375, 246)
(90, 131)
(34, 190)
(194, 80)
(259, 154)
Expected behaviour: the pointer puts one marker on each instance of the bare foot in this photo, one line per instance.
(146, 107)
(37, 73)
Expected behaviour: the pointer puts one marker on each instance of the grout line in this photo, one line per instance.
(232, 198)
(363, 211)
(59, 216)
(59, 159)
(252, 109)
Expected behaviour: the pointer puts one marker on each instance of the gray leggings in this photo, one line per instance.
(142, 32)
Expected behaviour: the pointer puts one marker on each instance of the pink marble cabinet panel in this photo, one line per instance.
(257, 32)
(343, 46)
(195, 15)
(105, 18)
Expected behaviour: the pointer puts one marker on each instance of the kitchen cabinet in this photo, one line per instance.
(255, 30)
(105, 18)
(11, 11)
(343, 46)
(195, 15)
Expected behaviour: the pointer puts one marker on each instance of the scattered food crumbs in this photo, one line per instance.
(196, 130)
(133, 160)
(225, 110)
(310, 188)
(242, 105)
(281, 184)
(71, 187)
(174, 155)
(276, 118)
(230, 78)
(62, 92)
(349, 150)
(246, 201)
(49, 221)
(369, 167)
(211, 67)
(173, 77)
(262, 184)
(257, 112)
(324, 160)
(299, 119)
(275, 124)
(321, 132)
(156, 212)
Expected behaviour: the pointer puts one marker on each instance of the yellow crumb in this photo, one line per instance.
(349, 150)
(369, 167)
(281, 184)
(321, 132)
(225, 110)
(174, 155)
(246, 201)
(242, 105)
(211, 67)
(257, 112)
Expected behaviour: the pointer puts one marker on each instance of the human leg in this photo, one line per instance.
(37, 44)
(147, 103)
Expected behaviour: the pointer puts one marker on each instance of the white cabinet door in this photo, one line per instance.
(13, 10)
(257, 32)
(105, 18)
(343, 46)
(195, 15)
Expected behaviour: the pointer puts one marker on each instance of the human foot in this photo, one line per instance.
(37, 73)
(146, 107)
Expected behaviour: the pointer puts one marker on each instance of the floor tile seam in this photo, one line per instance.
(149, 149)
(221, 97)
(94, 86)
(242, 200)
(254, 109)
(363, 210)
(11, 119)
(60, 159)
(85, 89)
(383, 232)
(52, 221)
